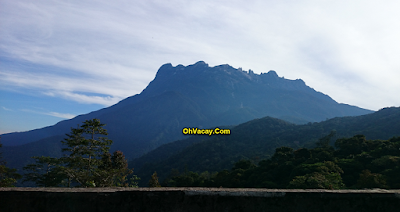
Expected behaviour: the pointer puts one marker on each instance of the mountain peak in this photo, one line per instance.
(164, 70)
(221, 77)
(201, 63)
(272, 73)
(167, 70)
(236, 88)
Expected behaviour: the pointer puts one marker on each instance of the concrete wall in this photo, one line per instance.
(195, 199)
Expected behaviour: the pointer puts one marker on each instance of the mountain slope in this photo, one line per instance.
(257, 139)
(189, 96)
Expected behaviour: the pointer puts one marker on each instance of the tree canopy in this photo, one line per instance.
(86, 162)
(355, 163)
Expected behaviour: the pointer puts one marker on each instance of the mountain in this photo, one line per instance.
(256, 140)
(186, 96)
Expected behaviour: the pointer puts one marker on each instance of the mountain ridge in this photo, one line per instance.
(190, 96)
(258, 138)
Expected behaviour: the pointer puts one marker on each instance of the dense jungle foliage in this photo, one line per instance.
(354, 163)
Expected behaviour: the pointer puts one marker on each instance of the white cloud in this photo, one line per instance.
(103, 91)
(55, 114)
(7, 109)
(61, 115)
(85, 99)
(346, 49)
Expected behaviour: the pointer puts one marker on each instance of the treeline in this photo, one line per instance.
(354, 163)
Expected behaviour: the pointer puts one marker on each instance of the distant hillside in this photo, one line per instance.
(257, 139)
(186, 96)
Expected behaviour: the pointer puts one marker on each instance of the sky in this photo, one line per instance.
(59, 59)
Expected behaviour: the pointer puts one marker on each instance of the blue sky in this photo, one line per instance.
(59, 59)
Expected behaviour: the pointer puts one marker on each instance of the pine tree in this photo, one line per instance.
(153, 182)
(89, 162)
(115, 168)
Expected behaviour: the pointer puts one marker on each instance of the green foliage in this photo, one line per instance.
(243, 164)
(87, 162)
(133, 181)
(45, 172)
(326, 175)
(260, 137)
(319, 168)
(324, 141)
(371, 180)
(153, 182)
(8, 176)
(113, 170)
(187, 179)
(317, 180)
(283, 154)
(351, 146)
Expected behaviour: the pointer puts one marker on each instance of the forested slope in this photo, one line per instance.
(258, 139)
